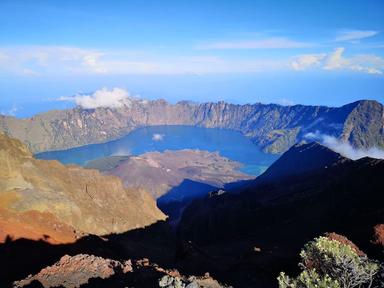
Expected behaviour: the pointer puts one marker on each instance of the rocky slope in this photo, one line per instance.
(72, 272)
(267, 222)
(301, 159)
(243, 239)
(174, 178)
(332, 191)
(45, 199)
(90, 271)
(272, 127)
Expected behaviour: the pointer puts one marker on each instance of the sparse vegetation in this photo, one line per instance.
(307, 279)
(328, 263)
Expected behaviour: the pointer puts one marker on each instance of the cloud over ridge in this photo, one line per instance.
(114, 98)
(344, 148)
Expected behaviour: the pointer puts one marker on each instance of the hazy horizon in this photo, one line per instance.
(310, 53)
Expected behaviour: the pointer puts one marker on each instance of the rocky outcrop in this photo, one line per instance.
(72, 272)
(272, 127)
(379, 234)
(90, 271)
(64, 201)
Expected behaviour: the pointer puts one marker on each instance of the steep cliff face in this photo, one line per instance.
(64, 198)
(364, 126)
(272, 127)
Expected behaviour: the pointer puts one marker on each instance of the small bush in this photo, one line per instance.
(328, 263)
(307, 279)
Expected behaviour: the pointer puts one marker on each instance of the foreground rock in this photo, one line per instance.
(72, 272)
(46, 200)
(379, 235)
(91, 271)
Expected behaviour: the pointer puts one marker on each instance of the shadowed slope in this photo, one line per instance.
(343, 187)
(301, 159)
(21, 257)
(280, 216)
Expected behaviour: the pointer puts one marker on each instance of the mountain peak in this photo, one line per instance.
(312, 146)
(367, 102)
(363, 127)
(302, 158)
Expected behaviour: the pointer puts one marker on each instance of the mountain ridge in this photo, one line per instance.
(262, 227)
(301, 158)
(272, 127)
(331, 189)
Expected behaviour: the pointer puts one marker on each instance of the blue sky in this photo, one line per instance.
(287, 52)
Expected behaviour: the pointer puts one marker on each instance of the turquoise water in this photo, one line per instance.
(228, 143)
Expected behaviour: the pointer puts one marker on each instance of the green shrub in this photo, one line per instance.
(307, 279)
(328, 263)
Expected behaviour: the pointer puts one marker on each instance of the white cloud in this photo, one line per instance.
(114, 98)
(91, 61)
(190, 65)
(345, 148)
(30, 72)
(38, 60)
(157, 137)
(286, 102)
(268, 43)
(3, 57)
(335, 60)
(305, 61)
(10, 112)
(355, 35)
(64, 61)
